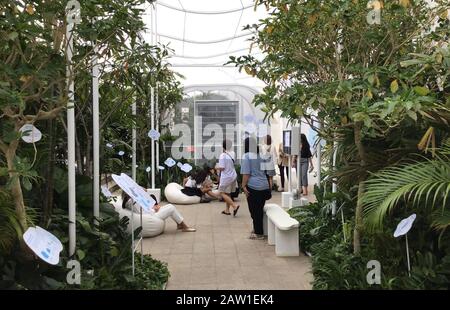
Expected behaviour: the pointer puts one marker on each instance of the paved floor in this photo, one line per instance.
(220, 255)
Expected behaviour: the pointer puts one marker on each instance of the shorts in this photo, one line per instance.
(228, 189)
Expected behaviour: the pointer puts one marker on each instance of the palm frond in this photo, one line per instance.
(441, 219)
(426, 182)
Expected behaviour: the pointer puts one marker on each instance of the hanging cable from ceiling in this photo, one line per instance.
(204, 12)
(206, 42)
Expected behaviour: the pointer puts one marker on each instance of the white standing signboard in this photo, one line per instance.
(404, 226)
(402, 230)
(135, 191)
(44, 244)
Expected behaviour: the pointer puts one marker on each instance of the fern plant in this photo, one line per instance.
(423, 183)
(10, 228)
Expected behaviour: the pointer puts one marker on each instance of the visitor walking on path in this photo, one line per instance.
(283, 165)
(228, 178)
(256, 184)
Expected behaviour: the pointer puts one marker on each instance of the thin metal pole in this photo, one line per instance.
(96, 134)
(71, 140)
(157, 122)
(132, 238)
(407, 255)
(319, 158)
(334, 184)
(290, 170)
(133, 142)
(140, 239)
(152, 126)
(299, 165)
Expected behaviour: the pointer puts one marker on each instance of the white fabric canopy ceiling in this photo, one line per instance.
(193, 29)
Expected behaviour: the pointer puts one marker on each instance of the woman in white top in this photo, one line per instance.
(228, 178)
(269, 153)
(162, 212)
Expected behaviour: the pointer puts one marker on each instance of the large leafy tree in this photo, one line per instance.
(33, 87)
(325, 63)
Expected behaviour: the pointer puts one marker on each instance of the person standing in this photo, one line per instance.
(283, 164)
(269, 153)
(306, 164)
(256, 184)
(228, 178)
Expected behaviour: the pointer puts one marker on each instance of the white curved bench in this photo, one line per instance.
(281, 230)
(151, 225)
(174, 195)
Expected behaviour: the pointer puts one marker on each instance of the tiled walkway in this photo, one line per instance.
(220, 255)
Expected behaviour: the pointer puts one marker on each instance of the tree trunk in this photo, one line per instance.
(362, 177)
(16, 189)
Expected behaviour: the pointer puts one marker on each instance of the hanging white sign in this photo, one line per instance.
(249, 118)
(179, 165)
(106, 192)
(30, 134)
(161, 168)
(109, 145)
(404, 226)
(250, 128)
(154, 134)
(135, 191)
(121, 153)
(186, 168)
(148, 169)
(44, 244)
(170, 162)
(263, 130)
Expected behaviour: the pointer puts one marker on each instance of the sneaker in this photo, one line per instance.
(256, 237)
(281, 189)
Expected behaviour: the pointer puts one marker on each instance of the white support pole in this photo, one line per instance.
(157, 122)
(299, 165)
(319, 158)
(72, 18)
(132, 239)
(290, 173)
(407, 256)
(140, 238)
(133, 143)
(96, 134)
(334, 184)
(152, 126)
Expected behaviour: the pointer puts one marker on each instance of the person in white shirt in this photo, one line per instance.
(269, 153)
(228, 177)
(162, 212)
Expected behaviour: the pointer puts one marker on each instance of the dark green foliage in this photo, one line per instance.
(334, 265)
